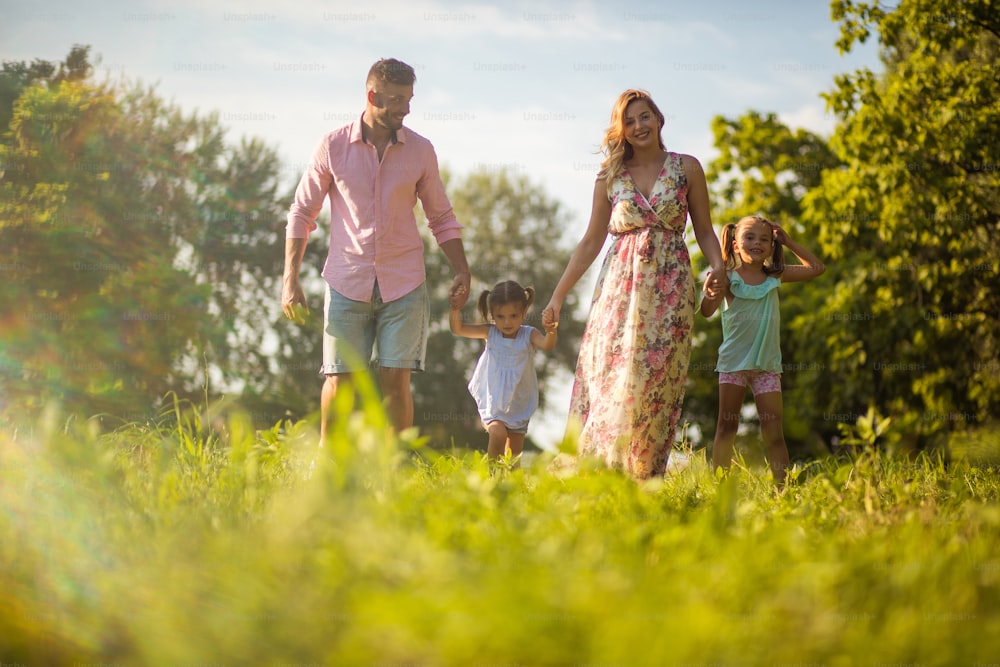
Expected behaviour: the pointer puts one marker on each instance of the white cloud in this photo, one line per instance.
(812, 117)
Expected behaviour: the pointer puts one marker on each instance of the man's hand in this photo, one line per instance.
(458, 295)
(293, 302)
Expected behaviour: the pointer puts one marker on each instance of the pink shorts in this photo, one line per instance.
(761, 382)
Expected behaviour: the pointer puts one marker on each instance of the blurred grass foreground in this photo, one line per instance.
(200, 541)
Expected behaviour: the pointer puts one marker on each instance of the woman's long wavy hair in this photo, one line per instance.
(615, 148)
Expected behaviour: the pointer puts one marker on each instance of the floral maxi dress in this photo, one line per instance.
(632, 369)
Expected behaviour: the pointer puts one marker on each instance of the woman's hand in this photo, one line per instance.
(550, 316)
(717, 281)
(710, 289)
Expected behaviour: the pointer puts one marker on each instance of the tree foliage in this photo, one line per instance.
(913, 327)
(138, 246)
(765, 166)
(903, 206)
(95, 310)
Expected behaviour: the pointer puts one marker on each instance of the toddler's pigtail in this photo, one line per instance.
(529, 297)
(484, 305)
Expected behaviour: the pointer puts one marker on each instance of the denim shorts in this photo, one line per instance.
(396, 330)
(761, 382)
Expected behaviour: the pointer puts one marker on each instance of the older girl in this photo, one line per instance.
(750, 353)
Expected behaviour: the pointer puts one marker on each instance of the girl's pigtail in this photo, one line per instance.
(484, 305)
(728, 246)
(529, 297)
(777, 259)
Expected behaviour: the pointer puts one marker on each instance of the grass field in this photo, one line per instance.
(199, 541)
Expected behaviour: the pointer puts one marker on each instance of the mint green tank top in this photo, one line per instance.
(750, 338)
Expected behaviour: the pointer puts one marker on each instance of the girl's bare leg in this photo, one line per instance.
(498, 439)
(730, 404)
(770, 411)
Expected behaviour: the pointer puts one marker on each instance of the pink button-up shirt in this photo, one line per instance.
(373, 231)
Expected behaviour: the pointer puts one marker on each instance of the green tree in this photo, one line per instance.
(911, 325)
(138, 248)
(95, 309)
(902, 203)
(16, 76)
(764, 166)
(513, 231)
(235, 248)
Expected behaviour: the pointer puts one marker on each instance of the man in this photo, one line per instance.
(373, 170)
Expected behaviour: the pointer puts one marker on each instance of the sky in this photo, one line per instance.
(525, 86)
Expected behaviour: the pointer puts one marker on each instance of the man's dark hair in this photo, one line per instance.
(392, 71)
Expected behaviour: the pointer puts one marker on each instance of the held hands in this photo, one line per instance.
(715, 288)
(458, 295)
(550, 317)
(716, 283)
(710, 289)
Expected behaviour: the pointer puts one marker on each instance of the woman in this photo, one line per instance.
(632, 368)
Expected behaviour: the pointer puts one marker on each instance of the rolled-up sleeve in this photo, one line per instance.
(310, 194)
(430, 189)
